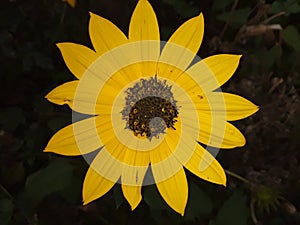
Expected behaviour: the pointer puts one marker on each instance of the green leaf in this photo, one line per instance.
(291, 36)
(289, 7)
(269, 57)
(55, 177)
(237, 18)
(183, 8)
(199, 202)
(233, 212)
(72, 192)
(221, 4)
(6, 210)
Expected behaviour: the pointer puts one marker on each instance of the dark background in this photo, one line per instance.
(39, 188)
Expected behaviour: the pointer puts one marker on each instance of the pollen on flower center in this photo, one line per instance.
(150, 108)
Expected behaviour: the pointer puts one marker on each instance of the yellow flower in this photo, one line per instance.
(152, 104)
(72, 3)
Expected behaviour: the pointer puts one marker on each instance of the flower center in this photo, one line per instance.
(150, 108)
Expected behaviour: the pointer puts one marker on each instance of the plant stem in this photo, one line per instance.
(6, 192)
(237, 176)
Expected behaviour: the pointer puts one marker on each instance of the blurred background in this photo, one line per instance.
(263, 186)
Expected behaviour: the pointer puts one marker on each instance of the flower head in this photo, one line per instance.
(152, 104)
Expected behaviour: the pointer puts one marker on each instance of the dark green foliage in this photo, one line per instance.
(230, 213)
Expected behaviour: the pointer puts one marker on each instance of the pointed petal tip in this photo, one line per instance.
(85, 202)
(59, 44)
(93, 15)
(46, 150)
(200, 17)
(229, 56)
(223, 179)
(133, 207)
(54, 100)
(255, 109)
(224, 183)
(233, 56)
(181, 210)
(143, 24)
(182, 213)
(132, 194)
(242, 142)
(62, 45)
(46, 96)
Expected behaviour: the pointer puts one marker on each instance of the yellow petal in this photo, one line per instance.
(63, 94)
(219, 133)
(143, 24)
(175, 191)
(77, 57)
(76, 139)
(189, 34)
(234, 107)
(169, 177)
(104, 34)
(164, 164)
(183, 45)
(95, 186)
(71, 2)
(214, 71)
(78, 94)
(238, 107)
(135, 166)
(132, 194)
(103, 173)
(144, 27)
(205, 166)
(107, 165)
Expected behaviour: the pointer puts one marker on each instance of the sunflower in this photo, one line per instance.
(153, 108)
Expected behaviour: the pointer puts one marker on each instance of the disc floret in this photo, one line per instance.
(150, 108)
